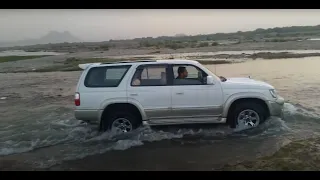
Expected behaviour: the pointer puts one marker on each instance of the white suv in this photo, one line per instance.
(124, 95)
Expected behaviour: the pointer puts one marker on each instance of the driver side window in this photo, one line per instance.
(192, 76)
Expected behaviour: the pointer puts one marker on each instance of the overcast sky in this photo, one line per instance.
(100, 25)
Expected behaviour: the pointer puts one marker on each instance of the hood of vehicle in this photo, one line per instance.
(238, 82)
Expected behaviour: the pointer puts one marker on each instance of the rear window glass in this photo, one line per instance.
(150, 76)
(107, 76)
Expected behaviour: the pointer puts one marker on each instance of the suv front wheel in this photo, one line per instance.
(120, 122)
(247, 115)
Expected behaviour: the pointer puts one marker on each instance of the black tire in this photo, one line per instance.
(109, 119)
(259, 109)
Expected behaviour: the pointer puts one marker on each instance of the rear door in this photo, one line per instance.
(148, 86)
(101, 83)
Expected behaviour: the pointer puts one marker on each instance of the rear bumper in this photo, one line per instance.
(92, 116)
(276, 107)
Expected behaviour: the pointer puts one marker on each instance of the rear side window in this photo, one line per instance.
(107, 76)
(150, 76)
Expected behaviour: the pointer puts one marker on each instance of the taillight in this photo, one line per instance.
(77, 99)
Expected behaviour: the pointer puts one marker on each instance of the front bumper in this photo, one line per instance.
(276, 107)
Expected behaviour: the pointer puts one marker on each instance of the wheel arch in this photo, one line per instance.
(120, 106)
(235, 99)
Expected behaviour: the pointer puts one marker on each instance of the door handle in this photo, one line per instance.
(179, 93)
(134, 94)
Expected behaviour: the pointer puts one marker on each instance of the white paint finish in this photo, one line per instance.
(245, 83)
(162, 101)
(196, 96)
(215, 95)
(152, 98)
(233, 95)
(98, 98)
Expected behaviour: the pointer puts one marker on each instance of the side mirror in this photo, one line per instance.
(210, 80)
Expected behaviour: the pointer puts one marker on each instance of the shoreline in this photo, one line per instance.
(69, 62)
(286, 45)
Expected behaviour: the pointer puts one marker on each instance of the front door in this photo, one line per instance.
(192, 97)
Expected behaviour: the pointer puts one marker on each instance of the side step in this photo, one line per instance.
(202, 120)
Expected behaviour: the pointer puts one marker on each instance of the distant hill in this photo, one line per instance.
(255, 35)
(277, 34)
(180, 35)
(51, 37)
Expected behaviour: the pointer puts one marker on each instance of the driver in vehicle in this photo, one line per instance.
(182, 73)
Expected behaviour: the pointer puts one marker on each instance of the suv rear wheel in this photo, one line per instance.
(120, 122)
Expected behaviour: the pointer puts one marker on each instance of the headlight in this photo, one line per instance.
(273, 93)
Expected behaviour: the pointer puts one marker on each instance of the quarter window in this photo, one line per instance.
(106, 76)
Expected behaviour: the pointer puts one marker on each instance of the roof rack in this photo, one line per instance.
(133, 61)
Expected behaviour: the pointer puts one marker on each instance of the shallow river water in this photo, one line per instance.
(50, 135)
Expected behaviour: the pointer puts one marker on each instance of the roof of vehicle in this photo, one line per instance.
(166, 61)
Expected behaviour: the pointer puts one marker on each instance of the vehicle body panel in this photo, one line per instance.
(172, 104)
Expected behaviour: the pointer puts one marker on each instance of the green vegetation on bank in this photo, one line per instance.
(18, 58)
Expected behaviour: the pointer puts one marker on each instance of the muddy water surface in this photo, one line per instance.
(38, 129)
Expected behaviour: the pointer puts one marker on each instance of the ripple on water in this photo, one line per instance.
(68, 138)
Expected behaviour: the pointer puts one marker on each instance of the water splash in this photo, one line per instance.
(67, 138)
